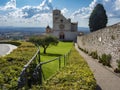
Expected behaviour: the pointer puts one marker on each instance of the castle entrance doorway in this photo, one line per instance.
(61, 35)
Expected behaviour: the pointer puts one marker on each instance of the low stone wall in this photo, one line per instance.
(106, 40)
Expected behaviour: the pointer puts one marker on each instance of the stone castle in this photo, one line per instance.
(106, 40)
(63, 28)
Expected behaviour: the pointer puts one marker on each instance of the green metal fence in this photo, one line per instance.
(36, 72)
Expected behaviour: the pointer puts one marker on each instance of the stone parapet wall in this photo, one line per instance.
(106, 40)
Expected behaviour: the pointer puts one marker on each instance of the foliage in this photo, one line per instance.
(113, 37)
(84, 50)
(75, 76)
(117, 70)
(12, 64)
(94, 55)
(16, 43)
(118, 61)
(105, 59)
(98, 18)
(44, 41)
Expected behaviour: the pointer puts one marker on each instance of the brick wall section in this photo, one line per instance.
(106, 40)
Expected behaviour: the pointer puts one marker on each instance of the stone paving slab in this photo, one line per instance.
(106, 80)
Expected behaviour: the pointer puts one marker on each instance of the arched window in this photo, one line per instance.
(61, 20)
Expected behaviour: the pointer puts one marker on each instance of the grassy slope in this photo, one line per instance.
(56, 51)
(76, 76)
(12, 64)
(53, 52)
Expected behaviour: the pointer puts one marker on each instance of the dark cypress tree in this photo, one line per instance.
(98, 18)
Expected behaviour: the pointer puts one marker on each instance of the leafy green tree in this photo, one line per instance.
(44, 41)
(98, 18)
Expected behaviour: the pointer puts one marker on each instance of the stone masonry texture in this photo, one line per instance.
(106, 40)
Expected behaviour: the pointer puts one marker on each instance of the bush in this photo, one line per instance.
(117, 70)
(118, 61)
(84, 50)
(12, 42)
(94, 55)
(105, 59)
(12, 64)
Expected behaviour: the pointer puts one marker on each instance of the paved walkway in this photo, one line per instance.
(6, 49)
(106, 80)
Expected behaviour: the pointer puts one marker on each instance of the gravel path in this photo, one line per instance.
(6, 49)
(106, 80)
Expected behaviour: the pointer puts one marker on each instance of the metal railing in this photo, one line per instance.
(34, 72)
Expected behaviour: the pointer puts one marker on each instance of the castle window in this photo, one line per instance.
(61, 21)
(56, 18)
(56, 14)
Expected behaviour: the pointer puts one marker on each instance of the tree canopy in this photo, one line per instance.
(44, 41)
(98, 18)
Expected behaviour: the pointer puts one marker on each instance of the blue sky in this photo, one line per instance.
(38, 13)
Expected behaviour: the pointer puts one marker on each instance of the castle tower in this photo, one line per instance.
(48, 29)
(62, 27)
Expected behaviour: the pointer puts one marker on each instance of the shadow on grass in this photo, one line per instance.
(51, 54)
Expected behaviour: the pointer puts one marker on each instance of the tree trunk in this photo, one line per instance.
(44, 50)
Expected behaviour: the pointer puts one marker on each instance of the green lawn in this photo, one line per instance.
(53, 52)
(56, 51)
(75, 76)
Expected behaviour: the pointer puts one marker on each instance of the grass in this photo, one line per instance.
(75, 76)
(11, 65)
(56, 51)
(52, 53)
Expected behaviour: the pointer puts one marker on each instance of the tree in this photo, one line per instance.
(98, 18)
(44, 41)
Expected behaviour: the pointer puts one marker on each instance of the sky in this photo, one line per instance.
(38, 13)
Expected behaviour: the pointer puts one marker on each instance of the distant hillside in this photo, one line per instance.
(12, 29)
(84, 29)
(35, 29)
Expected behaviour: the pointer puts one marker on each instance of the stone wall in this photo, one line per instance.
(106, 41)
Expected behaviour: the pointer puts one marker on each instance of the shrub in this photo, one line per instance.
(12, 42)
(84, 50)
(12, 64)
(94, 55)
(112, 37)
(105, 59)
(117, 70)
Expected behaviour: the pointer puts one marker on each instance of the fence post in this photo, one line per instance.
(40, 73)
(59, 63)
(64, 60)
(39, 55)
(40, 68)
(26, 79)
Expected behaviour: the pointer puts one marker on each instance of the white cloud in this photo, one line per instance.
(117, 4)
(34, 15)
(85, 11)
(41, 15)
(112, 8)
(64, 11)
(11, 5)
